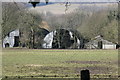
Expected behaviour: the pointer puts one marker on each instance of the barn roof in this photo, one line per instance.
(14, 33)
(67, 37)
(100, 38)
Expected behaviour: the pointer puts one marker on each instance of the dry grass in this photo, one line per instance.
(35, 62)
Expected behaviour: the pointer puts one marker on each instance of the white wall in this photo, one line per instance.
(108, 46)
(10, 39)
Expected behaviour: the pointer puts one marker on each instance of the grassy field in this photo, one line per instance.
(59, 63)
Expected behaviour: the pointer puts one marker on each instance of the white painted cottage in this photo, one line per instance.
(12, 39)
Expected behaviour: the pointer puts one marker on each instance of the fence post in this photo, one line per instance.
(85, 75)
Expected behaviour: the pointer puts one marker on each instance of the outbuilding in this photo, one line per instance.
(63, 39)
(100, 43)
(12, 39)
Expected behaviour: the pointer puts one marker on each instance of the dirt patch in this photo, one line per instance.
(55, 68)
(84, 62)
(95, 69)
(76, 70)
(33, 65)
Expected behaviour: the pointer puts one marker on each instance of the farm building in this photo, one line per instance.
(25, 38)
(99, 43)
(63, 39)
(12, 39)
(33, 39)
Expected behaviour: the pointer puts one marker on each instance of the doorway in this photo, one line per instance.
(16, 43)
(7, 45)
(100, 45)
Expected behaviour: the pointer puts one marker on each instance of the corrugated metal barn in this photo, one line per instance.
(63, 39)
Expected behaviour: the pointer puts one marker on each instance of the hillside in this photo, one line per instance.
(59, 8)
(90, 19)
(54, 8)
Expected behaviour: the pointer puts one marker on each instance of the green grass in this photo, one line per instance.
(39, 62)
